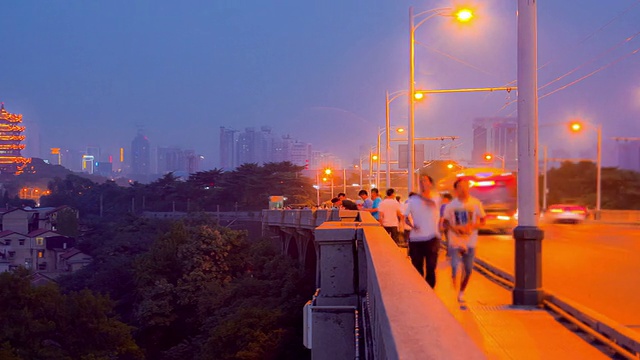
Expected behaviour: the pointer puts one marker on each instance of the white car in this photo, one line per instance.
(561, 213)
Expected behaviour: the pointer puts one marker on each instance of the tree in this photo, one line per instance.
(42, 323)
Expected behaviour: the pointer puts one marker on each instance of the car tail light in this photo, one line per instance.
(504, 217)
(556, 210)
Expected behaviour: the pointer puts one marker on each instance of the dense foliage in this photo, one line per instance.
(247, 188)
(160, 290)
(576, 183)
(43, 323)
(195, 290)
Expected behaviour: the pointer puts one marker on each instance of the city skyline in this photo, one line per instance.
(321, 78)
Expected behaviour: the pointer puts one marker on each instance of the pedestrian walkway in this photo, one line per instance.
(507, 332)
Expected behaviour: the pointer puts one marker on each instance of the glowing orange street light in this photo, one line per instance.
(488, 157)
(400, 130)
(464, 15)
(324, 179)
(418, 96)
(575, 126)
(327, 171)
(374, 157)
(450, 165)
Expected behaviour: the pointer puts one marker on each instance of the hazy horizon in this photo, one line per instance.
(93, 73)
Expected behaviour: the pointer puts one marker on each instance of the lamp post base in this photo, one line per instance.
(528, 260)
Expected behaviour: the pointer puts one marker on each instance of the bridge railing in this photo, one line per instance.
(371, 301)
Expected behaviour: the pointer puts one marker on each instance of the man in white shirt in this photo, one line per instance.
(391, 215)
(424, 238)
(462, 217)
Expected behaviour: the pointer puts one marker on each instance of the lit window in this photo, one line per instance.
(39, 241)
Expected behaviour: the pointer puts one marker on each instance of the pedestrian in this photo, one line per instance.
(391, 215)
(424, 238)
(446, 198)
(462, 219)
(344, 203)
(366, 202)
(375, 202)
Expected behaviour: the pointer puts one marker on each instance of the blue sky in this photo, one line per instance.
(92, 72)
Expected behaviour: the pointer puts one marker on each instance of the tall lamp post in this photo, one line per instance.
(576, 127)
(528, 236)
(544, 177)
(462, 15)
(388, 100)
(387, 154)
(327, 172)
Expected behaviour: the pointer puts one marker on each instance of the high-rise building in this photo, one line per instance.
(495, 135)
(228, 146)
(11, 160)
(629, 154)
(140, 155)
(178, 160)
(300, 153)
(94, 151)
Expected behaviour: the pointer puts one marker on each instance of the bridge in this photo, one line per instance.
(372, 304)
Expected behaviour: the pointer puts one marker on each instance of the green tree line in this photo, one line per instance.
(160, 289)
(248, 187)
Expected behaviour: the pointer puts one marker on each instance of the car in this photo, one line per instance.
(565, 213)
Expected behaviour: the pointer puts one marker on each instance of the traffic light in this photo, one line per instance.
(488, 157)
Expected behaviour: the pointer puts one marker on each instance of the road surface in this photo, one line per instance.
(596, 265)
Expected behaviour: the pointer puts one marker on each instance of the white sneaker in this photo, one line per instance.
(461, 296)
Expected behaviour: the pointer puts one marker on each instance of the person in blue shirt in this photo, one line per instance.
(372, 204)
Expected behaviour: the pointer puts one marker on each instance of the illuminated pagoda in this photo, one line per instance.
(11, 161)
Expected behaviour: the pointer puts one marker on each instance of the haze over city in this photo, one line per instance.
(92, 73)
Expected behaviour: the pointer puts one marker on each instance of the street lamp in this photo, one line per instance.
(327, 172)
(463, 15)
(387, 151)
(388, 99)
(576, 126)
(528, 236)
(488, 157)
(372, 157)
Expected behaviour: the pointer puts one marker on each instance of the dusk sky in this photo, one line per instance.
(92, 72)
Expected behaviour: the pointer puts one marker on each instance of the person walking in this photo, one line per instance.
(462, 218)
(391, 215)
(446, 199)
(424, 241)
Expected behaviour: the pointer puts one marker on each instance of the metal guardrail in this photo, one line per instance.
(621, 339)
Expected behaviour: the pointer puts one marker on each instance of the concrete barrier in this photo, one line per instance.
(402, 317)
(619, 216)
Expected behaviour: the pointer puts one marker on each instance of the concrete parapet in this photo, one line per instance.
(322, 215)
(336, 246)
(408, 321)
(291, 218)
(619, 216)
(308, 218)
(274, 217)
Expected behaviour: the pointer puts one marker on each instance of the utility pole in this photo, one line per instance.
(528, 236)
